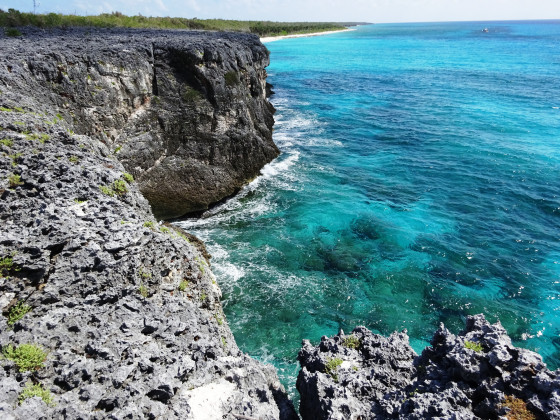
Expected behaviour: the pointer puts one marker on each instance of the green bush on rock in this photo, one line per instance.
(27, 357)
(14, 180)
(352, 342)
(17, 312)
(331, 367)
(473, 346)
(36, 390)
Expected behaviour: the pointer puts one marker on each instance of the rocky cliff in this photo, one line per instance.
(477, 374)
(106, 313)
(185, 112)
(109, 314)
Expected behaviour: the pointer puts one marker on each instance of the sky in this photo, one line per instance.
(375, 11)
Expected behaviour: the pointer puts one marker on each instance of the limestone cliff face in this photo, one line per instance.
(127, 311)
(185, 112)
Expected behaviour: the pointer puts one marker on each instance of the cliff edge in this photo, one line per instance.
(185, 112)
(106, 313)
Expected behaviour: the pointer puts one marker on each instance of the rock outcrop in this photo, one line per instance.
(126, 310)
(477, 374)
(184, 111)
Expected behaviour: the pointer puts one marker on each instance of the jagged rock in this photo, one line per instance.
(382, 378)
(184, 111)
(127, 310)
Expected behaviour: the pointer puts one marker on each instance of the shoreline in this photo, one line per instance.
(278, 38)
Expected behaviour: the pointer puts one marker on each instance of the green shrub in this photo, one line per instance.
(14, 158)
(12, 32)
(116, 19)
(473, 346)
(27, 357)
(42, 138)
(128, 178)
(17, 312)
(36, 390)
(107, 190)
(183, 285)
(74, 159)
(149, 224)
(201, 264)
(190, 94)
(164, 229)
(183, 236)
(144, 274)
(7, 142)
(7, 265)
(143, 290)
(352, 342)
(231, 78)
(14, 180)
(331, 367)
(119, 187)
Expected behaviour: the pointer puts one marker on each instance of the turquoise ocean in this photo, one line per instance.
(419, 182)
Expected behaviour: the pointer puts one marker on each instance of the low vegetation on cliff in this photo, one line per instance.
(13, 18)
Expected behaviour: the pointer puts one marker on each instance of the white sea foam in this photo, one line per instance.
(278, 166)
(222, 266)
(231, 272)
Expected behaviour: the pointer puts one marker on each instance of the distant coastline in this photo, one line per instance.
(278, 38)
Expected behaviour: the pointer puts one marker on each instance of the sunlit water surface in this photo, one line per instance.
(419, 182)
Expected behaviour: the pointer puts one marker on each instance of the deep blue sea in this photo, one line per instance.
(419, 182)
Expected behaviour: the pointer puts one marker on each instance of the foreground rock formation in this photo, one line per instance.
(184, 111)
(127, 311)
(477, 374)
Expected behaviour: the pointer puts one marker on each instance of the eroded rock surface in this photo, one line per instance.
(127, 310)
(466, 376)
(184, 111)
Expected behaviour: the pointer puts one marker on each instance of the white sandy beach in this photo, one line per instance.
(277, 38)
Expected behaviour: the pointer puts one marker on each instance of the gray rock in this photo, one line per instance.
(127, 310)
(382, 378)
(185, 111)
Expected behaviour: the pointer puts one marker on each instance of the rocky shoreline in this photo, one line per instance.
(120, 316)
(108, 313)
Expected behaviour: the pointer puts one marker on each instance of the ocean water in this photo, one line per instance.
(419, 182)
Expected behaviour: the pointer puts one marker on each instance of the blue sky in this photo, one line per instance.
(308, 10)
